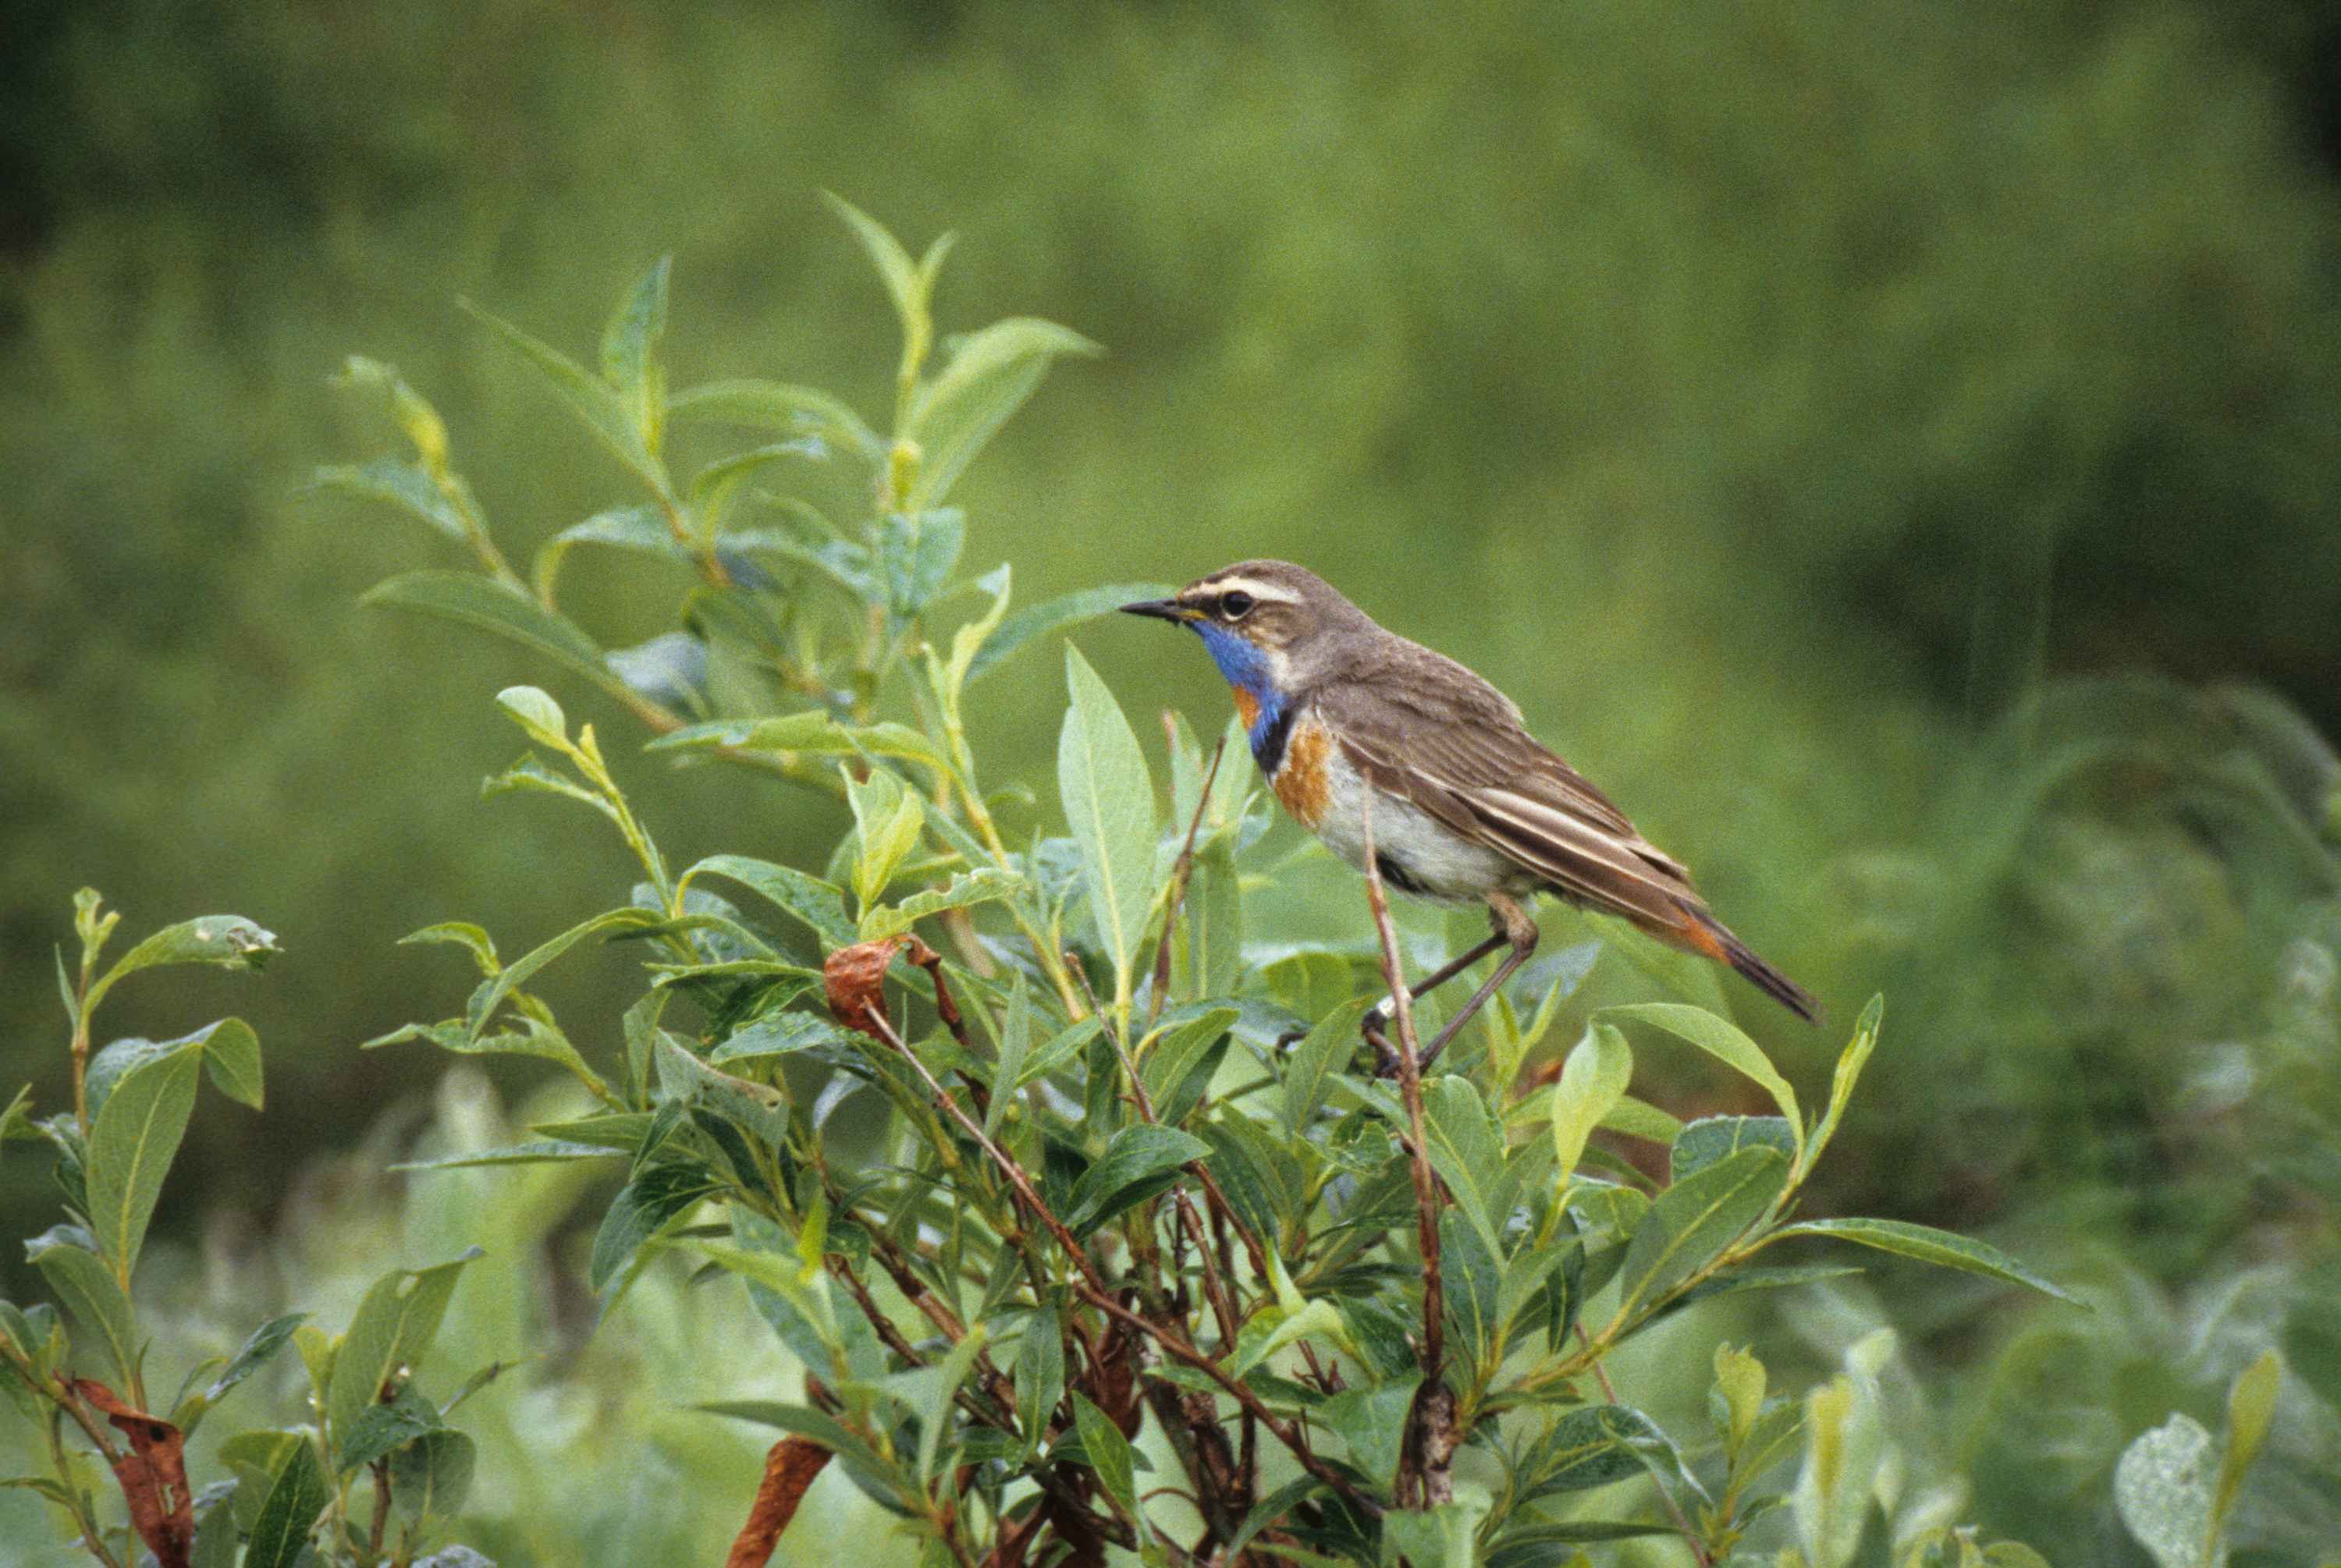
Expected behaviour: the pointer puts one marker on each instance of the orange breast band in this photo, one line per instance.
(1301, 784)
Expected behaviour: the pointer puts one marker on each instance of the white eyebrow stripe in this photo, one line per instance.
(1266, 592)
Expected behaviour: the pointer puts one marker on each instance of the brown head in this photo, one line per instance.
(1271, 625)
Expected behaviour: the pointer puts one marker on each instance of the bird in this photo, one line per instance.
(1345, 718)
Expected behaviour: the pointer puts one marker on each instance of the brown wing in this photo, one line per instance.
(1455, 748)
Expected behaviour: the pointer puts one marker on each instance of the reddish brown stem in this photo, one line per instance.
(788, 1470)
(1424, 1478)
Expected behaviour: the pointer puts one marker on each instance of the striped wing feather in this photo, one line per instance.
(1462, 757)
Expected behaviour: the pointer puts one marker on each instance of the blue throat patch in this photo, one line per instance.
(1246, 669)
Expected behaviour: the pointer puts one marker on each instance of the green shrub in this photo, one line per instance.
(1092, 1240)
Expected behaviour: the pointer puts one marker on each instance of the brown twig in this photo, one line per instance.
(1091, 1287)
(1424, 1477)
(788, 1470)
(1181, 869)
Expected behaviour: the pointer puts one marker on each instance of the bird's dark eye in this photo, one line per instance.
(1235, 606)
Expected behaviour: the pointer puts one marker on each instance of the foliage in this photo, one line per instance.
(376, 1435)
(1138, 1262)
(1686, 372)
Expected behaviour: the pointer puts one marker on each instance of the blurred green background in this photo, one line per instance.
(1888, 446)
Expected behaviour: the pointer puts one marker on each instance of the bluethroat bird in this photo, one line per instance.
(1466, 803)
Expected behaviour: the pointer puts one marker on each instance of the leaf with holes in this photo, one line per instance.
(394, 1324)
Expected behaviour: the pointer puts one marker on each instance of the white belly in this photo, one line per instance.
(1417, 851)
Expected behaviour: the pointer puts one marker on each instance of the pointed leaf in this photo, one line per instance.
(90, 1292)
(778, 406)
(130, 1145)
(1055, 614)
(1142, 1161)
(1308, 1069)
(493, 605)
(1108, 1453)
(1040, 1374)
(989, 375)
(1372, 1421)
(818, 905)
(603, 413)
(645, 1206)
(393, 1326)
(1929, 1244)
(1693, 1221)
(295, 1499)
(1722, 1040)
(1592, 1081)
(399, 484)
(1109, 800)
(1703, 1142)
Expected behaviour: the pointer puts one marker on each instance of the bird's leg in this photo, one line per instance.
(1375, 1025)
(1513, 928)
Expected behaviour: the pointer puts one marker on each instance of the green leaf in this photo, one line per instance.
(1109, 800)
(1703, 1142)
(1596, 1445)
(889, 818)
(1694, 1220)
(1438, 1537)
(630, 345)
(395, 1322)
(935, 1419)
(295, 1499)
(1592, 1081)
(381, 1428)
(231, 1059)
(396, 482)
(607, 415)
(538, 717)
(408, 409)
(491, 993)
(777, 1035)
(1055, 614)
(642, 529)
(1849, 1062)
(779, 406)
(905, 283)
(229, 941)
(645, 1206)
(989, 375)
(982, 886)
(2251, 1408)
(542, 1151)
(1929, 1244)
(1040, 1374)
(1740, 1383)
(916, 553)
(819, 905)
(810, 733)
(1845, 1444)
(1719, 1039)
(258, 1349)
(1308, 1070)
(90, 1292)
(1108, 1454)
(1372, 1421)
(1466, 1149)
(130, 1145)
(1140, 1162)
(430, 1476)
(1474, 1279)
(483, 603)
(1175, 1052)
(713, 488)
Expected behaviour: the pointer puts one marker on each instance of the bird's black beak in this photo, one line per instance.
(1161, 609)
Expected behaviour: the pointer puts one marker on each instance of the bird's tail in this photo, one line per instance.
(1703, 933)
